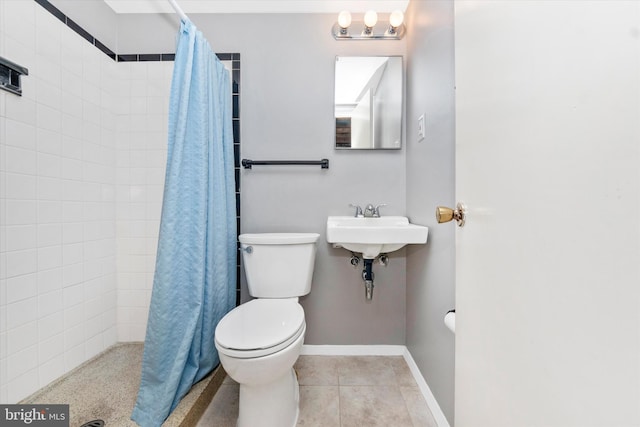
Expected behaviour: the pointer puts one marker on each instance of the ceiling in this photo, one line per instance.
(257, 6)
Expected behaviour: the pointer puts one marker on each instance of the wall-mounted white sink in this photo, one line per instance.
(373, 236)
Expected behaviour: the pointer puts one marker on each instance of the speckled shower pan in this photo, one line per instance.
(104, 390)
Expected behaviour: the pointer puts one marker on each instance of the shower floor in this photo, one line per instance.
(106, 387)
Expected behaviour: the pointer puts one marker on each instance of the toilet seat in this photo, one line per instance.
(260, 327)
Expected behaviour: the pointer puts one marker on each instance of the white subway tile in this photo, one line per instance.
(48, 118)
(49, 211)
(72, 82)
(93, 326)
(123, 332)
(74, 315)
(72, 191)
(19, 21)
(94, 345)
(49, 257)
(21, 109)
(48, 141)
(21, 212)
(71, 169)
(50, 347)
(49, 281)
(91, 269)
(21, 288)
(49, 189)
(72, 211)
(71, 53)
(92, 191)
(50, 303)
(21, 237)
(72, 275)
(71, 126)
(91, 137)
(74, 337)
(50, 370)
(49, 165)
(90, 92)
(72, 253)
(73, 295)
(48, 36)
(73, 357)
(49, 234)
(21, 362)
(91, 112)
(71, 105)
(48, 94)
(21, 161)
(20, 134)
(3, 315)
(72, 232)
(3, 347)
(23, 335)
(21, 262)
(48, 70)
(21, 186)
(138, 106)
(51, 325)
(72, 150)
(137, 331)
(23, 386)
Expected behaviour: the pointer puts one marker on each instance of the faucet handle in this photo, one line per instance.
(376, 211)
(358, 210)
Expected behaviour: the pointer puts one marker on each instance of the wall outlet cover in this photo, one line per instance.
(421, 128)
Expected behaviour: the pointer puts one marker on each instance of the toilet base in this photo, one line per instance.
(275, 404)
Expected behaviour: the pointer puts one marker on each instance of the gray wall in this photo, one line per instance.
(94, 16)
(430, 182)
(287, 113)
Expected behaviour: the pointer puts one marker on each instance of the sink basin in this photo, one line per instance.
(373, 236)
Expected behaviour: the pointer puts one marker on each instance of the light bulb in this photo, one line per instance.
(344, 19)
(370, 18)
(396, 18)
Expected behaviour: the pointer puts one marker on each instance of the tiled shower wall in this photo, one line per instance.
(82, 162)
(57, 202)
(142, 111)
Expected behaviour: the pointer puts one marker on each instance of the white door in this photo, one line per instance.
(548, 283)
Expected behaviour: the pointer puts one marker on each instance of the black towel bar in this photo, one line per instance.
(324, 163)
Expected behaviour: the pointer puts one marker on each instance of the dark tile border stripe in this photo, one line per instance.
(144, 57)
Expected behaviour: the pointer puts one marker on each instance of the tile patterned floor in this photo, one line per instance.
(342, 391)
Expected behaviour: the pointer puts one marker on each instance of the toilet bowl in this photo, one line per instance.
(259, 341)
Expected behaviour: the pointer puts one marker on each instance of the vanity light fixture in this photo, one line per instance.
(370, 21)
(393, 31)
(344, 20)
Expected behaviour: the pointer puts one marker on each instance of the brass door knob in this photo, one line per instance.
(444, 214)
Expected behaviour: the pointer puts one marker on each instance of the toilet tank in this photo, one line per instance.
(278, 265)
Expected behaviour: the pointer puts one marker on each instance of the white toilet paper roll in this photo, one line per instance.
(450, 321)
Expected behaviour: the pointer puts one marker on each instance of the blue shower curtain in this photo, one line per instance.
(194, 282)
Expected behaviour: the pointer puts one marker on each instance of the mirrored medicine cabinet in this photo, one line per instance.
(368, 102)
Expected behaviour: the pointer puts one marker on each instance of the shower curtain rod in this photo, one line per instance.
(178, 10)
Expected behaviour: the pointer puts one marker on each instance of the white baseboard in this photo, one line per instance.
(383, 350)
(353, 350)
(432, 403)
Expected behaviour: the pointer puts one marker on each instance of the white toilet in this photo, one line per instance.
(259, 341)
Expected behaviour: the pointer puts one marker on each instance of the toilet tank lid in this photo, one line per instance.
(278, 238)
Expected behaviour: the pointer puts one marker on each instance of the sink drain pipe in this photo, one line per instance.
(367, 276)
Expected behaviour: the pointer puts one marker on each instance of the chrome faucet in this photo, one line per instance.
(358, 213)
(370, 211)
(373, 212)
